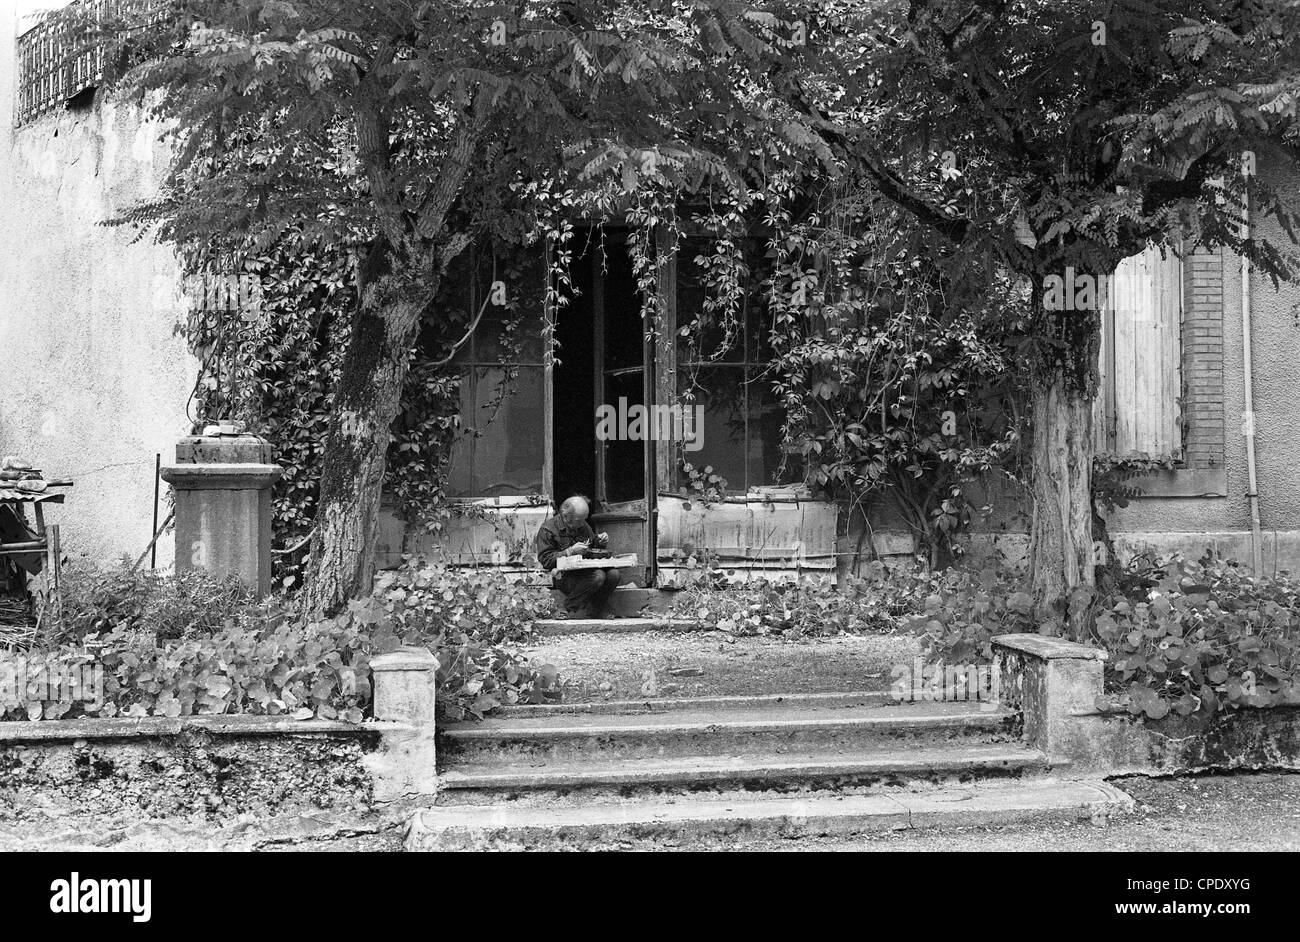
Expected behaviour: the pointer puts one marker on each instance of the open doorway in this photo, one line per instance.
(603, 359)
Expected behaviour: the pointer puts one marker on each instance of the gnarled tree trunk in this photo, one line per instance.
(367, 401)
(1060, 548)
(1063, 389)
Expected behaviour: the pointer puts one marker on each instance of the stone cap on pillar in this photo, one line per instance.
(221, 477)
(1049, 649)
(405, 658)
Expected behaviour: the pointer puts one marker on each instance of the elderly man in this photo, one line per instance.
(586, 591)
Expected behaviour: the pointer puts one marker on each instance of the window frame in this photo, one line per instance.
(468, 361)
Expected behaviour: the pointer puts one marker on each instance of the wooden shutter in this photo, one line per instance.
(1142, 356)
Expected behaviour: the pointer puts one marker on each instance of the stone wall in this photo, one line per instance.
(168, 770)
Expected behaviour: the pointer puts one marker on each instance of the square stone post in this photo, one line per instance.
(1055, 684)
(223, 486)
(405, 686)
(405, 690)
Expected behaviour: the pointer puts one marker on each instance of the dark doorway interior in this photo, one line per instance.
(623, 366)
(600, 346)
(574, 395)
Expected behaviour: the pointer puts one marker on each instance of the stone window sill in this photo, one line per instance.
(1183, 482)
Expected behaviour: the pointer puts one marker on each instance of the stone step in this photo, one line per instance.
(554, 627)
(697, 821)
(768, 727)
(889, 769)
(650, 665)
(667, 705)
(632, 601)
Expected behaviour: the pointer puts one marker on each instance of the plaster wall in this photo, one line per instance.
(93, 382)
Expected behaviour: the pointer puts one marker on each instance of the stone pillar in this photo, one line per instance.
(222, 483)
(405, 686)
(1055, 684)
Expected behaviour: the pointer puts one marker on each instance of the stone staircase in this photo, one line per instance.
(760, 765)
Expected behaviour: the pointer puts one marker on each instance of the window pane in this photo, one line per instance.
(460, 471)
(710, 340)
(507, 453)
(515, 329)
(766, 416)
(720, 390)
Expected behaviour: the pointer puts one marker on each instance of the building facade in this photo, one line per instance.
(96, 382)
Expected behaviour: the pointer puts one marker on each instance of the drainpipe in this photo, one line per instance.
(1248, 416)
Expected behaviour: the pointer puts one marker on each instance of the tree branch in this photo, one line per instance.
(373, 150)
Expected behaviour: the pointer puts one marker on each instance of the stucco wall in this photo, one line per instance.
(93, 382)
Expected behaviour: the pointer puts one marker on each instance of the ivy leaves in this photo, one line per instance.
(1208, 638)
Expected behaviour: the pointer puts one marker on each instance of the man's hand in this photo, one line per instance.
(602, 539)
(577, 549)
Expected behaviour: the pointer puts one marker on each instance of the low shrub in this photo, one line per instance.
(1208, 636)
(876, 602)
(433, 599)
(966, 610)
(1183, 637)
(276, 667)
(95, 599)
(159, 656)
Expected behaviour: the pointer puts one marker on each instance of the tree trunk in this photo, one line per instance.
(367, 401)
(1060, 549)
(1063, 388)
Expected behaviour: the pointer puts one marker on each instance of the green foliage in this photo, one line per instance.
(271, 666)
(426, 599)
(1209, 637)
(189, 604)
(701, 484)
(967, 610)
(1111, 475)
(876, 603)
(1183, 638)
(191, 646)
(469, 618)
(898, 382)
(475, 678)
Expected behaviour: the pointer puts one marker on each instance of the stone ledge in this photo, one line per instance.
(405, 658)
(1182, 482)
(146, 727)
(222, 477)
(1049, 649)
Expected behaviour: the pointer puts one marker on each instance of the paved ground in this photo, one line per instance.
(1207, 813)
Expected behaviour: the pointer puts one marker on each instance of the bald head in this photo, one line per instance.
(574, 510)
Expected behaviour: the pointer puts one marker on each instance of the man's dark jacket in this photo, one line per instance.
(554, 537)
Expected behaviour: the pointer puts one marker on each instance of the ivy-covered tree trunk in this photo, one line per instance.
(1064, 388)
(367, 400)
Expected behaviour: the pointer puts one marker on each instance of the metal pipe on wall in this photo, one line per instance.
(1248, 414)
